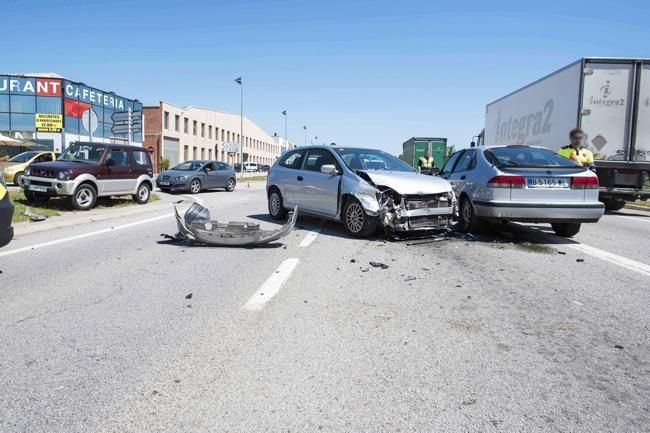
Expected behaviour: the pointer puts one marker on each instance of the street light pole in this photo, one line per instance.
(241, 124)
(305, 128)
(286, 139)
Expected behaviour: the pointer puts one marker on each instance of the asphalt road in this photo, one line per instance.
(516, 330)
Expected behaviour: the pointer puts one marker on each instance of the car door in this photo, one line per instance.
(461, 174)
(318, 192)
(119, 174)
(222, 174)
(286, 176)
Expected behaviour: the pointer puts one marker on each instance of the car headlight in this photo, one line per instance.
(181, 177)
(63, 175)
(28, 171)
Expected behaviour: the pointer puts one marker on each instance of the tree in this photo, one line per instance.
(450, 150)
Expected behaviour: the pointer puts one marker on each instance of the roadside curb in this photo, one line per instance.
(637, 207)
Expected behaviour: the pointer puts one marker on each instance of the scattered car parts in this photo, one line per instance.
(194, 225)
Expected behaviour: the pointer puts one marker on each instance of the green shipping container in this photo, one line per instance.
(414, 148)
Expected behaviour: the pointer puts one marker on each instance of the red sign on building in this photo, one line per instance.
(48, 87)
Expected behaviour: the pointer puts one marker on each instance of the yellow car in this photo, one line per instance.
(13, 170)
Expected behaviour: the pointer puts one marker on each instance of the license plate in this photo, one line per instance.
(38, 188)
(547, 182)
(164, 183)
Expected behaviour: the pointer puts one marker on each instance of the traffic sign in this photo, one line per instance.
(123, 116)
(124, 129)
(231, 147)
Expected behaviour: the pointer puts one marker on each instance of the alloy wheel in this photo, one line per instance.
(231, 184)
(274, 203)
(143, 193)
(195, 186)
(467, 212)
(354, 218)
(84, 197)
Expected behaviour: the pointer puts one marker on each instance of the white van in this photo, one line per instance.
(250, 167)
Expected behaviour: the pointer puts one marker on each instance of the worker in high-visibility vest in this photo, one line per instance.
(575, 151)
(426, 161)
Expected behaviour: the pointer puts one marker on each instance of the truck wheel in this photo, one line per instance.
(34, 197)
(84, 197)
(613, 204)
(142, 196)
(357, 223)
(566, 230)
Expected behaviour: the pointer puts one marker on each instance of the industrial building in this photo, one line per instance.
(185, 133)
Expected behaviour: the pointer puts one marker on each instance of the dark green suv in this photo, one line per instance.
(6, 213)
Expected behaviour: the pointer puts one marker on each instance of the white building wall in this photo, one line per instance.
(213, 129)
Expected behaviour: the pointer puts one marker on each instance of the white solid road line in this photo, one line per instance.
(634, 218)
(621, 261)
(81, 236)
(310, 237)
(271, 286)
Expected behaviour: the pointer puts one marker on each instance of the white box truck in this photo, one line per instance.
(609, 98)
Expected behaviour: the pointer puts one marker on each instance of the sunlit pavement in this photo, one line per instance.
(106, 329)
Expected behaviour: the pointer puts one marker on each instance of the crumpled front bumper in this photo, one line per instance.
(433, 212)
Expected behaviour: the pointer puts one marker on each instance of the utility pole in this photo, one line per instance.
(241, 124)
(286, 138)
(305, 128)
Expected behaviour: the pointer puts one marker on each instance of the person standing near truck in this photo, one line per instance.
(426, 162)
(575, 151)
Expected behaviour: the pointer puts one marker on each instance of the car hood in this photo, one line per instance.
(175, 173)
(6, 164)
(408, 183)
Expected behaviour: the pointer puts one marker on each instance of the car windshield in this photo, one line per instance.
(524, 156)
(23, 157)
(83, 153)
(188, 166)
(371, 159)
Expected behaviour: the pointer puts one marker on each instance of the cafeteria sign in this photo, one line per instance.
(49, 122)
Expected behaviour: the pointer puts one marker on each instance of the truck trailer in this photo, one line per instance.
(413, 149)
(608, 98)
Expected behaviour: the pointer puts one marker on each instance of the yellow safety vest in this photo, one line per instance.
(583, 156)
(426, 163)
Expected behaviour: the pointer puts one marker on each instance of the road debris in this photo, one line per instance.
(379, 265)
(618, 346)
(196, 227)
(188, 296)
(580, 260)
(561, 252)
(34, 217)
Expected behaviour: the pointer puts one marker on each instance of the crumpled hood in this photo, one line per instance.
(409, 183)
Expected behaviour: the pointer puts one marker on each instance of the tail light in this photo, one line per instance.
(507, 181)
(589, 182)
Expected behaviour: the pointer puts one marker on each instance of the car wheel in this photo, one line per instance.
(357, 223)
(33, 197)
(276, 206)
(84, 197)
(195, 186)
(470, 221)
(143, 194)
(613, 204)
(566, 230)
(18, 178)
(231, 185)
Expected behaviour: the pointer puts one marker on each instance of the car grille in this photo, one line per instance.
(429, 222)
(41, 183)
(41, 172)
(426, 201)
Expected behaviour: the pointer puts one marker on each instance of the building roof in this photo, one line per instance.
(34, 74)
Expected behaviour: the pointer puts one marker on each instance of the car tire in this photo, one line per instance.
(469, 221)
(195, 186)
(33, 197)
(566, 230)
(232, 183)
(18, 177)
(356, 221)
(84, 197)
(143, 194)
(613, 204)
(276, 205)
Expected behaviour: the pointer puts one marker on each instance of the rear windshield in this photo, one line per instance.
(523, 156)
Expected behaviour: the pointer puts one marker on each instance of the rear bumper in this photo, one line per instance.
(535, 212)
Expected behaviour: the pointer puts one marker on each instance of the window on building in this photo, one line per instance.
(202, 153)
(177, 121)
(166, 120)
(209, 153)
(210, 132)
(186, 151)
(194, 151)
(228, 136)
(202, 129)
(186, 125)
(194, 126)
(222, 135)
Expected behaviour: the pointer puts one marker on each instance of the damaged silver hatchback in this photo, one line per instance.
(363, 188)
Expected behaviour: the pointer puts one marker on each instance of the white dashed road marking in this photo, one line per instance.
(310, 237)
(81, 236)
(271, 286)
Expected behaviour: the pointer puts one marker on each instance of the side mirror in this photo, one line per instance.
(329, 169)
(109, 162)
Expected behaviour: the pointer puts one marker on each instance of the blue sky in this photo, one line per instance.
(369, 73)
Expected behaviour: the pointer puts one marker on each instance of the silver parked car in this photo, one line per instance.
(363, 188)
(196, 176)
(522, 183)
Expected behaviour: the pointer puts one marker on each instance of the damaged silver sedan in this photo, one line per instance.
(363, 188)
